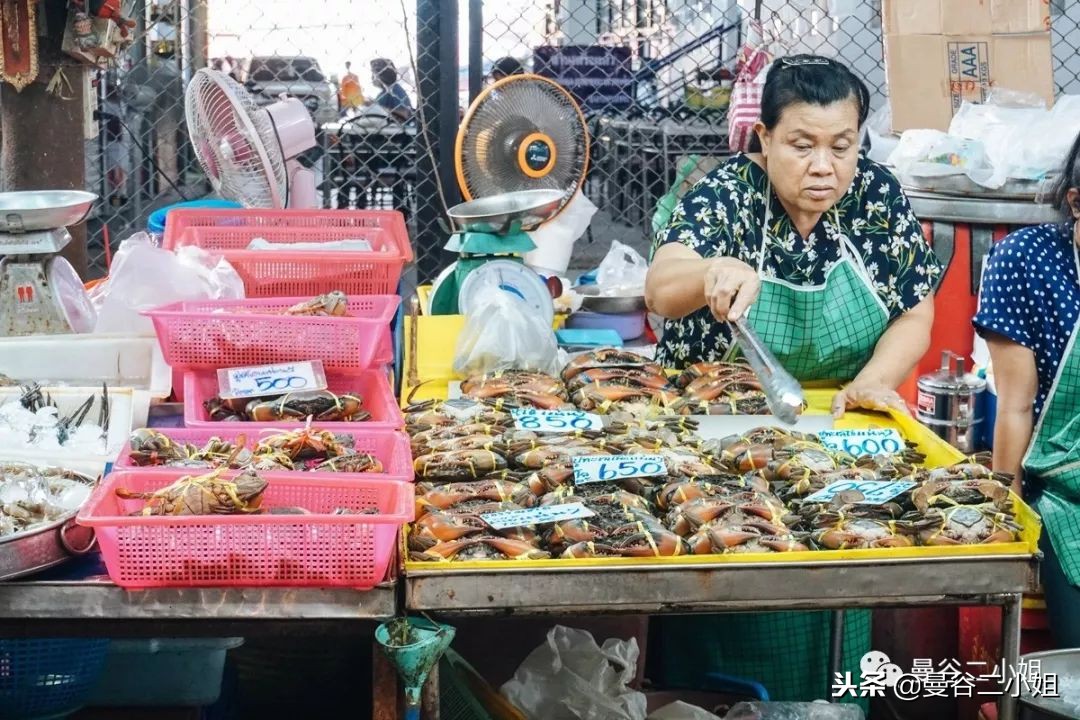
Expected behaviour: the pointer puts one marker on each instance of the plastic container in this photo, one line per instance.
(48, 677)
(215, 334)
(289, 273)
(373, 387)
(67, 400)
(156, 223)
(390, 447)
(317, 550)
(163, 672)
(629, 325)
(87, 361)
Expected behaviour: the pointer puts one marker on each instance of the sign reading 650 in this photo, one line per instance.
(609, 468)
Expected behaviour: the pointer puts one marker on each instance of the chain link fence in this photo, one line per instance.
(386, 82)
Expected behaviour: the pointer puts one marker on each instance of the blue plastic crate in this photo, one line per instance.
(48, 677)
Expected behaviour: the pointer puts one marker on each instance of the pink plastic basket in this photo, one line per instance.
(286, 273)
(237, 333)
(320, 549)
(390, 447)
(372, 385)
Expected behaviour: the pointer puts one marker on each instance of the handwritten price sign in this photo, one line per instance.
(264, 380)
(536, 516)
(556, 421)
(609, 468)
(863, 442)
(874, 492)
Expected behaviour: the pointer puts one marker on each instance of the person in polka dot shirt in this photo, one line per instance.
(1029, 312)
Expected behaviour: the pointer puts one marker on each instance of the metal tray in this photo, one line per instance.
(962, 185)
(45, 546)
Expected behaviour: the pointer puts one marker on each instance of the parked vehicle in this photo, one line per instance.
(296, 76)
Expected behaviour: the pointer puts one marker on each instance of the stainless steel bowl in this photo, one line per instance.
(593, 301)
(1060, 663)
(497, 213)
(32, 210)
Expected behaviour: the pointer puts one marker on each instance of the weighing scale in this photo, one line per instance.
(491, 230)
(40, 292)
(521, 154)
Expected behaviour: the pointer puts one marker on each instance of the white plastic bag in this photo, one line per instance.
(143, 276)
(502, 332)
(882, 139)
(817, 710)
(932, 153)
(570, 677)
(679, 710)
(555, 239)
(622, 271)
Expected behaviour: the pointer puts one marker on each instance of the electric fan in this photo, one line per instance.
(249, 152)
(521, 154)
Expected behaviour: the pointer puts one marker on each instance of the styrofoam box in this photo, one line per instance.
(67, 399)
(79, 361)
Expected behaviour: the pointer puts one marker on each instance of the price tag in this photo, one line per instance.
(268, 380)
(608, 468)
(536, 515)
(863, 442)
(556, 421)
(874, 492)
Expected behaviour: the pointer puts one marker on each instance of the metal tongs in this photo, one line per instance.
(782, 391)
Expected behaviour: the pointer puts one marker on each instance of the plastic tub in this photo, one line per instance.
(163, 672)
(316, 550)
(237, 333)
(289, 273)
(390, 447)
(373, 387)
(156, 223)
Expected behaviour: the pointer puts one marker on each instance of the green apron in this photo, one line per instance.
(1053, 459)
(818, 332)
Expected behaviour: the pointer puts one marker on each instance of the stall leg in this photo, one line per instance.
(429, 698)
(384, 686)
(1010, 655)
(836, 650)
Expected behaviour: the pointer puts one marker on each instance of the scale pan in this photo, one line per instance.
(33, 210)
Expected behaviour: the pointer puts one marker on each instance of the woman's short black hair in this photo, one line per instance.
(809, 79)
(1069, 179)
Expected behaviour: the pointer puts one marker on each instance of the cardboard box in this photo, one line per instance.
(929, 76)
(965, 17)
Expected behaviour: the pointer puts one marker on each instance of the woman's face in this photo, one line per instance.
(812, 153)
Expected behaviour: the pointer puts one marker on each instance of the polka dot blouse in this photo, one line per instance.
(1031, 294)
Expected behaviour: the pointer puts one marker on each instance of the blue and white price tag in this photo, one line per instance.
(556, 421)
(536, 515)
(267, 380)
(874, 492)
(609, 468)
(863, 442)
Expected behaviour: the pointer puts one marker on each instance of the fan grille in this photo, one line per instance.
(511, 111)
(235, 141)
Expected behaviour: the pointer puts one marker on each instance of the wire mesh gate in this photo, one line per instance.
(664, 99)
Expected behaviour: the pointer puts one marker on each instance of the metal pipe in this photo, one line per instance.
(1010, 655)
(476, 48)
(836, 650)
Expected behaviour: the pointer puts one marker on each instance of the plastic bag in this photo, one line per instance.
(622, 271)
(504, 333)
(143, 276)
(570, 677)
(679, 710)
(882, 139)
(932, 153)
(555, 239)
(819, 710)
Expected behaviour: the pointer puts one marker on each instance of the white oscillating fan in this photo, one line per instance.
(249, 152)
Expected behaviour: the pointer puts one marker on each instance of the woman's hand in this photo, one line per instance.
(731, 286)
(868, 396)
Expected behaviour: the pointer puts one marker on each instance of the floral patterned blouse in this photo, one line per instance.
(723, 215)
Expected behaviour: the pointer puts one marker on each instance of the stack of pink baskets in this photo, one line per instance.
(347, 537)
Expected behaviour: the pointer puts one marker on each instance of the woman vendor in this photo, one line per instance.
(1029, 311)
(817, 247)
